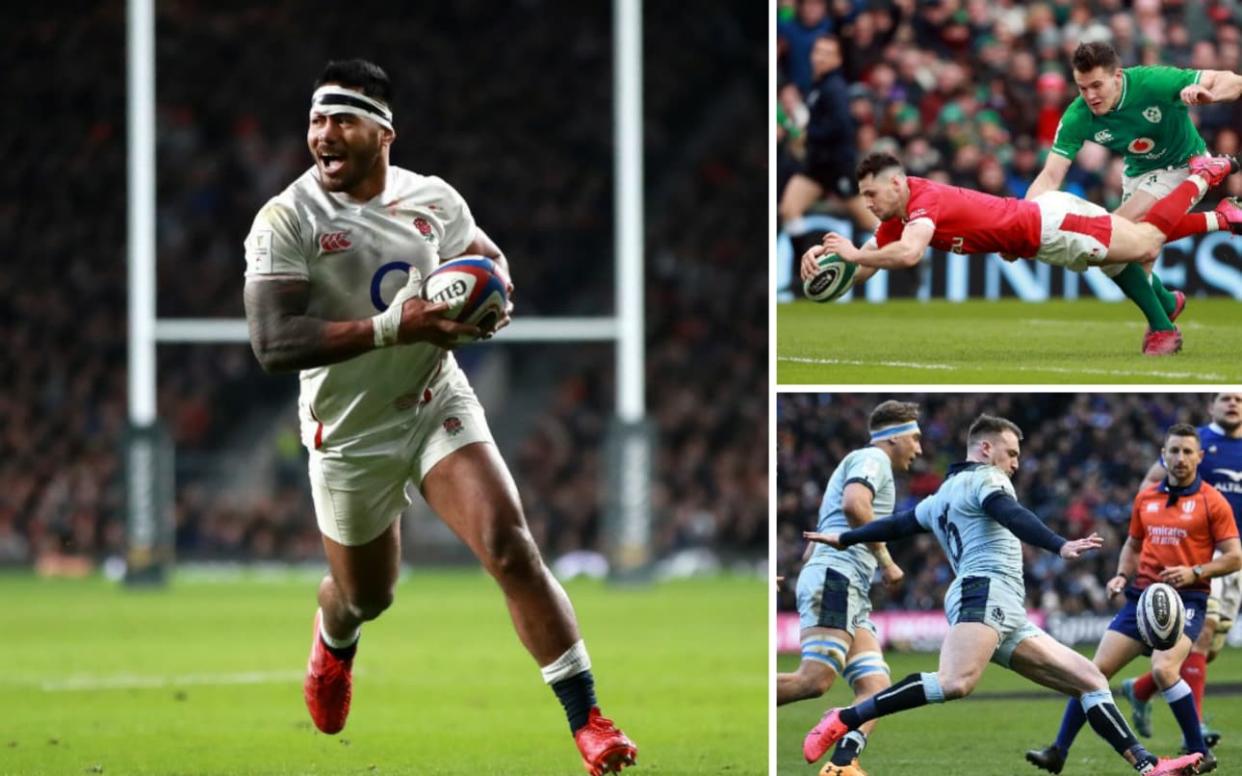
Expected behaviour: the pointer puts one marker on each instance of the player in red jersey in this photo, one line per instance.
(1175, 527)
(1057, 228)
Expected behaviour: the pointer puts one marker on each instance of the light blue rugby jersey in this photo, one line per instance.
(871, 467)
(977, 545)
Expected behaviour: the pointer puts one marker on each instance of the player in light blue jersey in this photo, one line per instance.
(834, 605)
(1221, 468)
(980, 524)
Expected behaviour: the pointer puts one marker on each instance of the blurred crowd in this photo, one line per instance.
(512, 104)
(1083, 459)
(970, 92)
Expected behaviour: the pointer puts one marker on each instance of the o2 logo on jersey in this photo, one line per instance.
(378, 279)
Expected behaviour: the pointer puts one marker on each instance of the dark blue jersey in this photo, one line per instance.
(1222, 466)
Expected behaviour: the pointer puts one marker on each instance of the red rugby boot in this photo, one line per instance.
(604, 748)
(1229, 212)
(328, 686)
(1162, 343)
(821, 738)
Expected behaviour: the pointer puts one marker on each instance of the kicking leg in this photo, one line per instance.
(1047, 662)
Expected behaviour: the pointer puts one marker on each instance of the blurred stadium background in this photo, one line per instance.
(513, 104)
(1083, 458)
(970, 92)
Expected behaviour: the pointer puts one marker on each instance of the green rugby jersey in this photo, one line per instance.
(1149, 125)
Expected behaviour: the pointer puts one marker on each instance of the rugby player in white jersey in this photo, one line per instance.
(333, 279)
(837, 635)
(976, 518)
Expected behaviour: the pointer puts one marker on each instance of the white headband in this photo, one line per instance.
(331, 99)
(888, 432)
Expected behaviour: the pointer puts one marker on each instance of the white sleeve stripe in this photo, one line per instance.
(922, 219)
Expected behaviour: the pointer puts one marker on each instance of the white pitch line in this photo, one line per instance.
(139, 682)
(1057, 369)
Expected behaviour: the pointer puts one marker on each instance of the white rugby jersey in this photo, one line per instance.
(357, 255)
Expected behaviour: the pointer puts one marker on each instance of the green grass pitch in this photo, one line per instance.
(1008, 341)
(205, 678)
(987, 736)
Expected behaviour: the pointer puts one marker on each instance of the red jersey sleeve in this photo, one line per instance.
(923, 203)
(888, 232)
(1220, 518)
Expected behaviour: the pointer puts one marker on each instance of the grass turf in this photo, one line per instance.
(987, 736)
(206, 679)
(1008, 341)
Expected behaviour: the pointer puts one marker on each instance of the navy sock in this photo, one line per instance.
(577, 695)
(910, 693)
(849, 747)
(1071, 722)
(1109, 725)
(1183, 709)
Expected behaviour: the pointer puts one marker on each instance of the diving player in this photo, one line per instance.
(834, 606)
(1058, 228)
(978, 521)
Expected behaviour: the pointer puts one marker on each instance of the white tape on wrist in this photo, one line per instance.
(387, 325)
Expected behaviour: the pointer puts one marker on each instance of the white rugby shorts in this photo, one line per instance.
(359, 490)
(1073, 233)
(1157, 183)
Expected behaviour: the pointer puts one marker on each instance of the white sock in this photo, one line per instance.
(344, 643)
(573, 662)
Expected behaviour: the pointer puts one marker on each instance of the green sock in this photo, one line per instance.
(1167, 300)
(1133, 281)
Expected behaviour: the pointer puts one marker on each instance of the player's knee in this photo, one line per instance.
(368, 606)
(956, 687)
(511, 553)
(1166, 674)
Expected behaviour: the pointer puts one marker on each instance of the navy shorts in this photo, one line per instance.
(1126, 621)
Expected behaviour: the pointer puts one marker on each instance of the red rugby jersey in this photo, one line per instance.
(967, 221)
(1182, 534)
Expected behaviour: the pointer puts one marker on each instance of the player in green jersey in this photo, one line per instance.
(1141, 113)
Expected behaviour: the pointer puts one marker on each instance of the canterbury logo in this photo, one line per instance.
(334, 241)
(1230, 473)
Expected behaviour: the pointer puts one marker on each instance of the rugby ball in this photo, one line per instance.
(834, 278)
(1161, 616)
(475, 288)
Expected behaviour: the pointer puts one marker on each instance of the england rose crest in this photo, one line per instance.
(424, 228)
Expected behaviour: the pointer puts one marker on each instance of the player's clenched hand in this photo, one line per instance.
(1196, 95)
(1076, 547)
(832, 540)
(810, 265)
(893, 576)
(1116, 585)
(1178, 576)
(424, 321)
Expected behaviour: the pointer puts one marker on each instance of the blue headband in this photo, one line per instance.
(889, 432)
